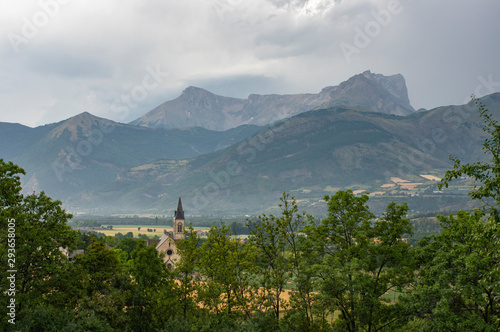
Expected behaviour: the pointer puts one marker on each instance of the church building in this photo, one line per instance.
(167, 242)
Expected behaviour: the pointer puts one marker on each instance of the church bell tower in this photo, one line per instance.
(179, 222)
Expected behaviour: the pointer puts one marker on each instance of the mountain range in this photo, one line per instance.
(85, 152)
(236, 156)
(199, 108)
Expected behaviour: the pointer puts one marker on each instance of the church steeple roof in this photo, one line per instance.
(179, 213)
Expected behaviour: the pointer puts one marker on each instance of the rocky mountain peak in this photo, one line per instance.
(373, 92)
(83, 122)
(192, 89)
(197, 107)
(195, 91)
(394, 85)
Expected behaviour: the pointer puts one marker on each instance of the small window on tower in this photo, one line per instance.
(179, 228)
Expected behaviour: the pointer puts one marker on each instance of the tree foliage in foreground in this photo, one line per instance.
(485, 174)
(458, 284)
(458, 288)
(39, 228)
(361, 259)
(276, 239)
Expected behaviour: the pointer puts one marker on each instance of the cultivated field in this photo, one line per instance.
(124, 229)
(430, 177)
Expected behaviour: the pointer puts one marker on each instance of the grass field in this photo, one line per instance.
(124, 229)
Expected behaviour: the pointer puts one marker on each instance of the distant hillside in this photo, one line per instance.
(310, 155)
(97, 165)
(16, 139)
(199, 108)
(85, 152)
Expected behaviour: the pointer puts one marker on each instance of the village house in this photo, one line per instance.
(71, 254)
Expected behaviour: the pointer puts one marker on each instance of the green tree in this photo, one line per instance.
(305, 313)
(238, 228)
(362, 258)
(457, 288)
(42, 232)
(84, 240)
(106, 284)
(48, 318)
(38, 230)
(186, 273)
(302, 311)
(102, 268)
(149, 275)
(459, 281)
(485, 174)
(110, 241)
(10, 188)
(226, 265)
(276, 239)
(128, 245)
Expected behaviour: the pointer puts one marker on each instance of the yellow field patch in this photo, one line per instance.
(285, 294)
(356, 192)
(430, 177)
(388, 185)
(410, 185)
(377, 193)
(398, 180)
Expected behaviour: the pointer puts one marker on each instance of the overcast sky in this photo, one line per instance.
(119, 59)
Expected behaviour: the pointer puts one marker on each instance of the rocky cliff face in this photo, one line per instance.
(199, 108)
(196, 108)
(373, 92)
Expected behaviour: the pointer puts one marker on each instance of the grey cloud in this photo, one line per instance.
(66, 64)
(90, 55)
(240, 86)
